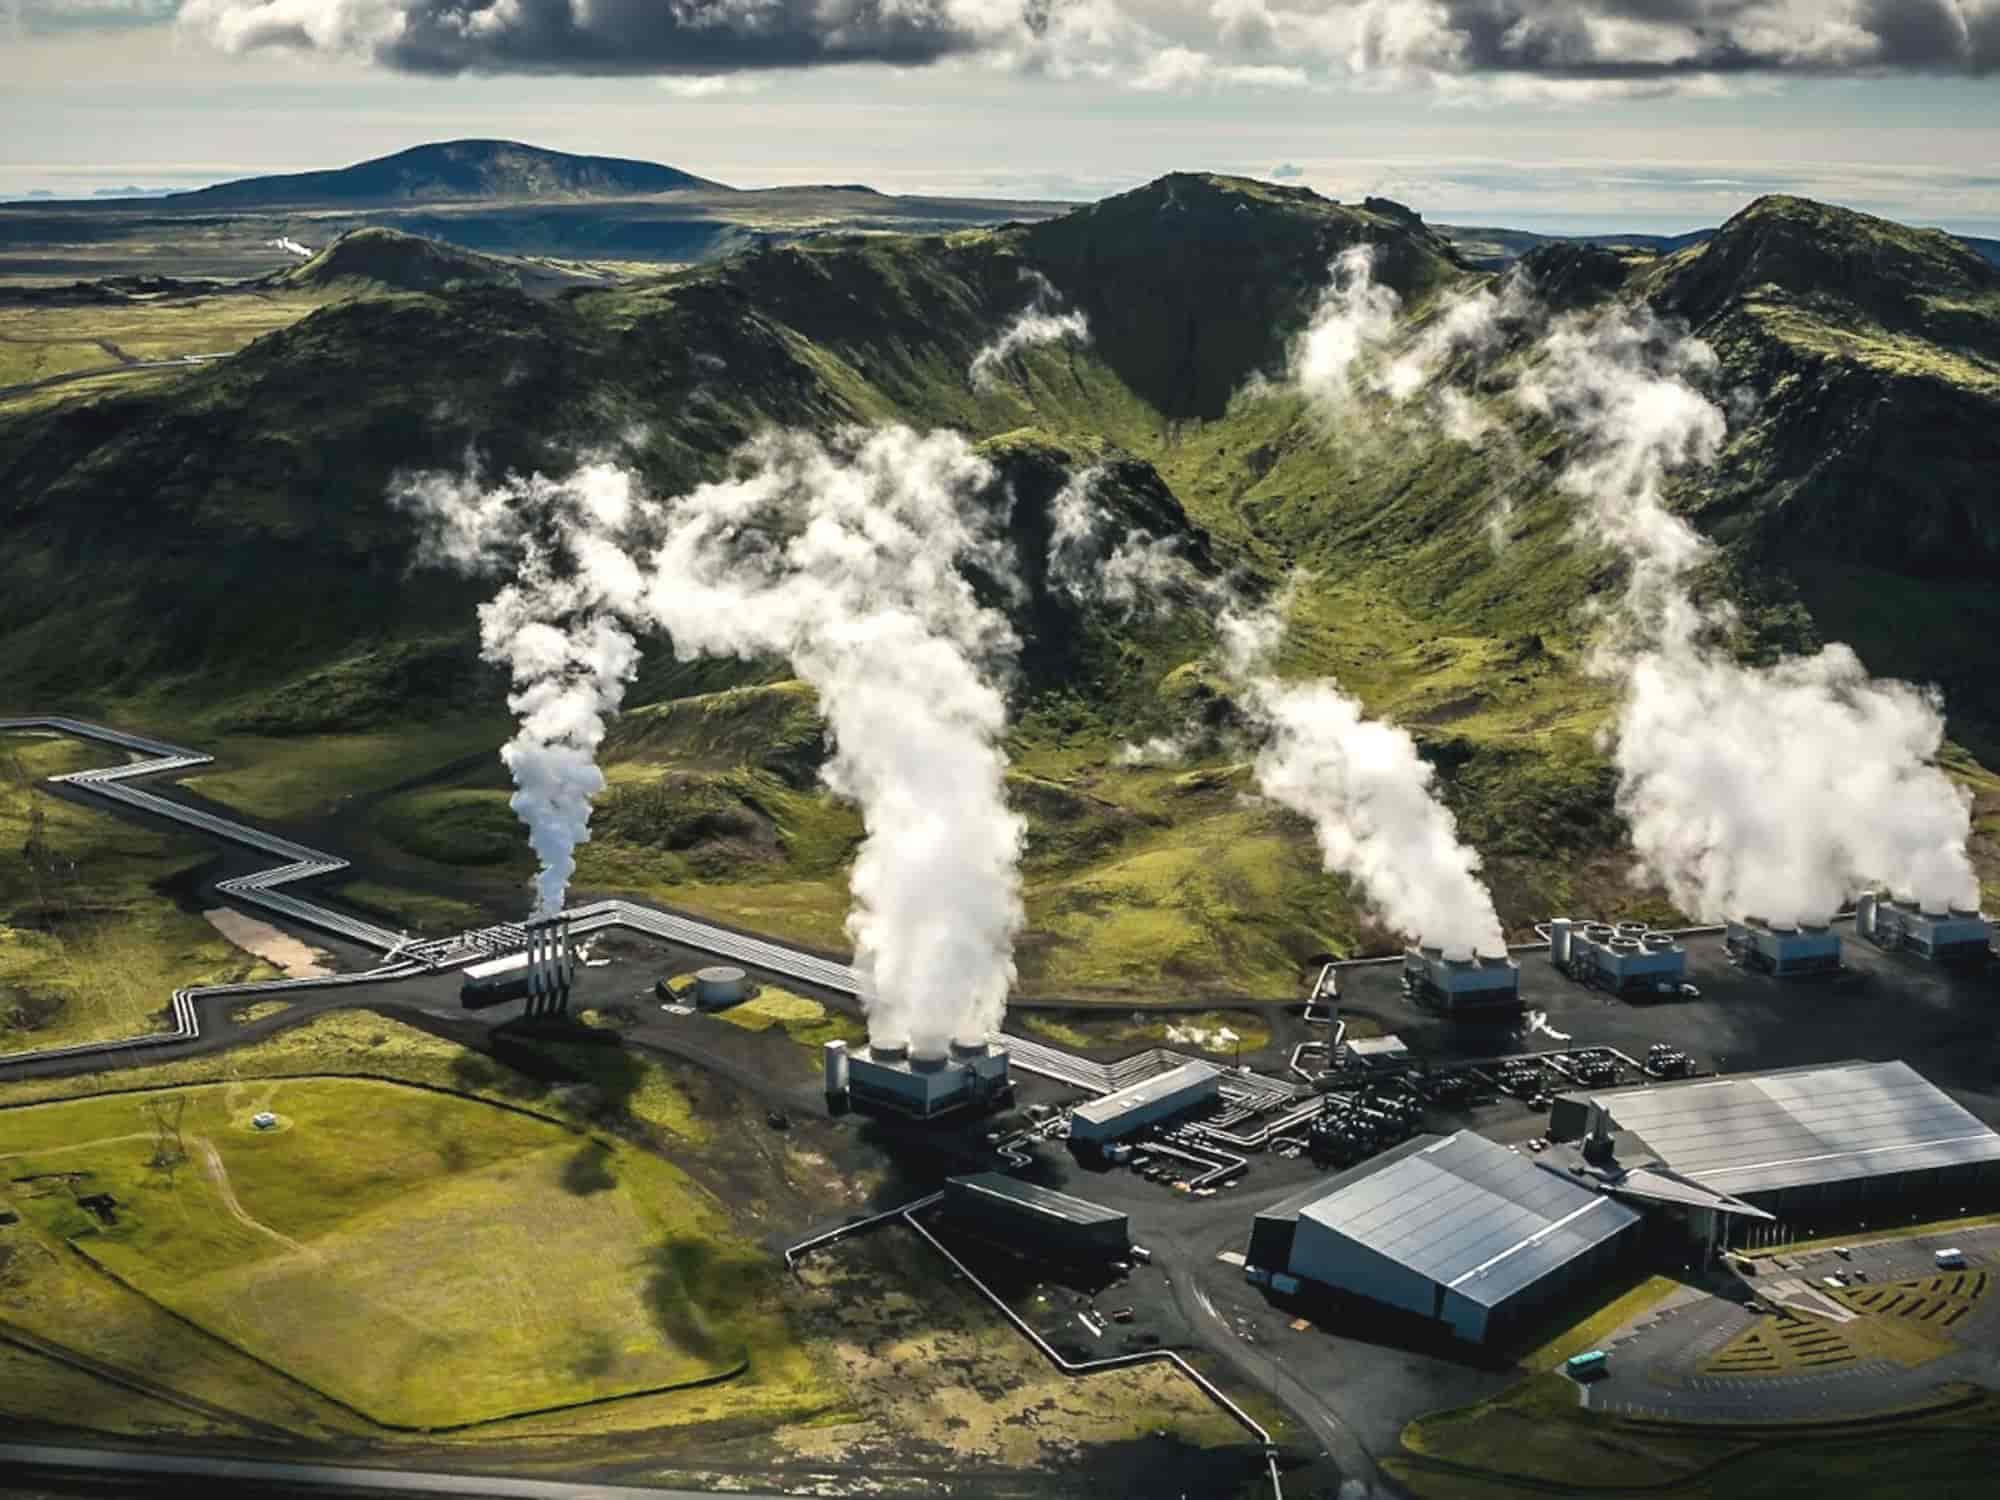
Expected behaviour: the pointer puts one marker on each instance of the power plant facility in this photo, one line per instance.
(1784, 950)
(1627, 959)
(540, 973)
(1455, 1230)
(1460, 982)
(1165, 1096)
(1036, 1221)
(1944, 935)
(1817, 1144)
(885, 1078)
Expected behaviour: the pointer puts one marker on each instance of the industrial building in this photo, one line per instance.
(541, 973)
(1463, 983)
(1626, 959)
(1456, 1230)
(886, 1078)
(1817, 1144)
(1946, 935)
(1036, 1220)
(1165, 1096)
(1784, 950)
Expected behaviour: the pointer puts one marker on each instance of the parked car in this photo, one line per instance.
(1950, 1260)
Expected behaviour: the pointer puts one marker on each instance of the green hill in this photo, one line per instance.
(245, 571)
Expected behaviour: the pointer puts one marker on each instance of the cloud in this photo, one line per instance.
(1531, 49)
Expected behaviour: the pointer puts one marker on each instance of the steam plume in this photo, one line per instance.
(1137, 573)
(1781, 789)
(1368, 794)
(569, 658)
(849, 559)
(1041, 322)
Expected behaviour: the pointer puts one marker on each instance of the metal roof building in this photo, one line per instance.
(1037, 1219)
(1801, 1138)
(1454, 1229)
(1161, 1097)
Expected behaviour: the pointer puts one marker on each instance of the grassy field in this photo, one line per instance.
(418, 911)
(426, 1260)
(803, 1020)
(90, 949)
(1535, 1439)
(308, 775)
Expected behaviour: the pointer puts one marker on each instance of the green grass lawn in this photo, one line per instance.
(418, 911)
(425, 1259)
(803, 1020)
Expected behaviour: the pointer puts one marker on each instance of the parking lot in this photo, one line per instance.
(1664, 1365)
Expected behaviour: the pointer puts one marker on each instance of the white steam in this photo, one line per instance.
(1350, 324)
(1042, 321)
(568, 656)
(1780, 790)
(1367, 792)
(848, 559)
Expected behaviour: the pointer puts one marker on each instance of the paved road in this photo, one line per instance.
(264, 1476)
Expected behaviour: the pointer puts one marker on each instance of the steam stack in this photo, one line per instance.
(1785, 950)
(1463, 983)
(885, 1078)
(1944, 935)
(1626, 959)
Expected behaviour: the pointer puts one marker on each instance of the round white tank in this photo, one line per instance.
(720, 986)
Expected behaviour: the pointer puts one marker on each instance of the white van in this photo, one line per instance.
(1950, 1260)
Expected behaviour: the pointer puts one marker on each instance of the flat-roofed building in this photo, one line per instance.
(1036, 1220)
(1801, 1142)
(1165, 1096)
(1455, 1230)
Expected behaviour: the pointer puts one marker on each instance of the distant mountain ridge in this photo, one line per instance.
(468, 171)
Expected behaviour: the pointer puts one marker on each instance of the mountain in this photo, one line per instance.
(247, 573)
(451, 172)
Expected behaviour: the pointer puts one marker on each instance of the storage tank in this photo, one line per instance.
(720, 986)
(1559, 941)
(1864, 914)
(834, 1056)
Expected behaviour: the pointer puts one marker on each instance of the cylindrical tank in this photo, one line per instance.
(834, 1055)
(1864, 914)
(968, 1049)
(891, 1050)
(1966, 913)
(720, 986)
(1458, 955)
(932, 1064)
(1559, 940)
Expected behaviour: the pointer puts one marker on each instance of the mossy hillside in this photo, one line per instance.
(1407, 599)
(92, 946)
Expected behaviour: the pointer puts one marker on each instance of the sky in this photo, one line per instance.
(1558, 115)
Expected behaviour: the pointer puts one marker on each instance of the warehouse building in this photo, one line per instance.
(887, 1079)
(1036, 1221)
(1784, 950)
(1945, 935)
(1808, 1145)
(1165, 1096)
(1463, 983)
(1455, 1230)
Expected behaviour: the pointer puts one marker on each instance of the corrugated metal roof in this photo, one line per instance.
(1039, 1199)
(1188, 1075)
(1471, 1215)
(1760, 1132)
